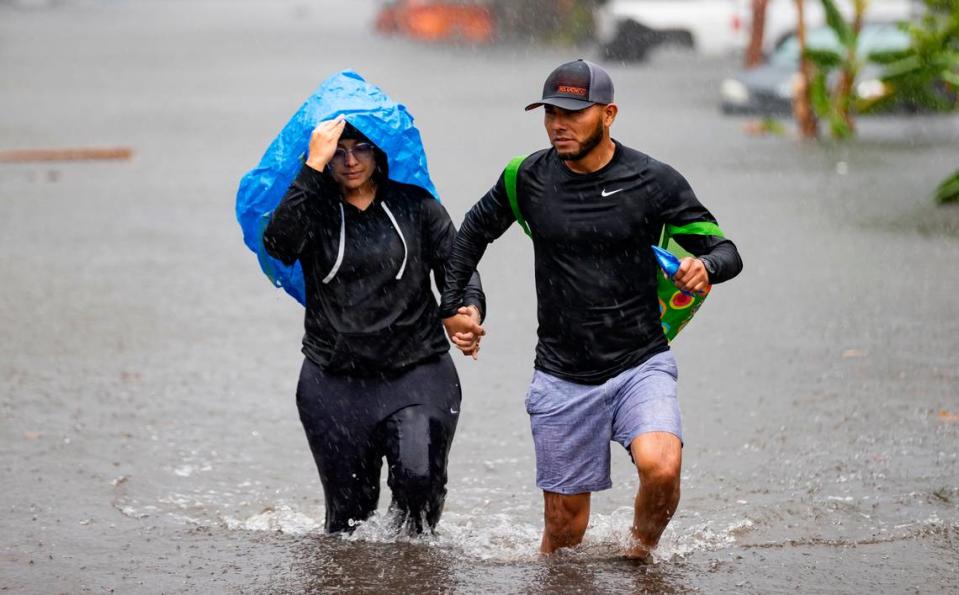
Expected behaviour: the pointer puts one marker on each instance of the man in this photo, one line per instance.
(603, 369)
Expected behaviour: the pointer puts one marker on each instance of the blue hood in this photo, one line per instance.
(370, 111)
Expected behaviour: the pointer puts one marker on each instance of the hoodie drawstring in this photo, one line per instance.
(342, 246)
(396, 226)
(339, 253)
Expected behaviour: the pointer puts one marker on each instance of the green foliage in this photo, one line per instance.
(927, 74)
(924, 76)
(771, 125)
(825, 106)
(824, 59)
(833, 105)
(948, 190)
(942, 6)
(819, 94)
(837, 23)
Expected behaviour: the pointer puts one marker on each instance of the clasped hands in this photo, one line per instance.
(464, 330)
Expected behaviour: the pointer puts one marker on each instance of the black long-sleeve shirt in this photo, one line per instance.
(369, 305)
(596, 276)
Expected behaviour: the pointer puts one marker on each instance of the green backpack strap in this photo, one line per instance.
(696, 228)
(509, 177)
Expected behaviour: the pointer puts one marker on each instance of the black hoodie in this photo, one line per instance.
(369, 305)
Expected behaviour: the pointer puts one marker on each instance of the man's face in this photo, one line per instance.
(575, 133)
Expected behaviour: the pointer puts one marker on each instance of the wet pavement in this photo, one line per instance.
(149, 439)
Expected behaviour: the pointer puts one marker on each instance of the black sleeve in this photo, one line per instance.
(679, 206)
(441, 235)
(485, 222)
(292, 224)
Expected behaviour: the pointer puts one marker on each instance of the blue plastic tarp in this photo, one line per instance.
(366, 107)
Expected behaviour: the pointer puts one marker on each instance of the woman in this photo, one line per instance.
(377, 379)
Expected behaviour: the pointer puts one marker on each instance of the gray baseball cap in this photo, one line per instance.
(576, 85)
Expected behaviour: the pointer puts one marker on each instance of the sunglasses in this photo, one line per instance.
(361, 151)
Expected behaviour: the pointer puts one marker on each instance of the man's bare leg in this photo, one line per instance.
(658, 457)
(566, 517)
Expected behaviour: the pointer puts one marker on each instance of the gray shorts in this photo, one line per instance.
(573, 424)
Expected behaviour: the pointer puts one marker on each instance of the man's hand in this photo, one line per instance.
(692, 276)
(465, 331)
(323, 142)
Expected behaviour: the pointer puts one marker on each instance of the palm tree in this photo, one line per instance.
(802, 105)
(757, 29)
(844, 93)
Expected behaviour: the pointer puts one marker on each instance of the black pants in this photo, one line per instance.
(352, 422)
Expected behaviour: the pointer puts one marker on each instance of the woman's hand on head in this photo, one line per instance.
(323, 142)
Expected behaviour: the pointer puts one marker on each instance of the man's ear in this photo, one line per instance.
(609, 114)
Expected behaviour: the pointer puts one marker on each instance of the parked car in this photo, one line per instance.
(452, 20)
(768, 89)
(782, 19)
(629, 29)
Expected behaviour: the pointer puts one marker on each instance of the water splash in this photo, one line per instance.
(283, 519)
(500, 533)
(498, 537)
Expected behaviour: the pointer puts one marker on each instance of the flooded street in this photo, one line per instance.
(149, 439)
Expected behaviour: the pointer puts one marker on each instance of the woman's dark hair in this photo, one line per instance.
(382, 171)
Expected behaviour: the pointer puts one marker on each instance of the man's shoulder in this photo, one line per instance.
(535, 166)
(664, 173)
(537, 159)
(632, 156)
(649, 164)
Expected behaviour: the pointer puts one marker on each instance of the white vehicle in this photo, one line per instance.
(781, 16)
(629, 29)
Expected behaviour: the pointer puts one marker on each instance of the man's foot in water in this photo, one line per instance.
(638, 552)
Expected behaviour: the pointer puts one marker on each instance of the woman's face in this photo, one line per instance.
(353, 163)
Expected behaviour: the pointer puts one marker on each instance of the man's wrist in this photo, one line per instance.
(475, 308)
(708, 265)
(450, 306)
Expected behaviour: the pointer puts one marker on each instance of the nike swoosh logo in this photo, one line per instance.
(605, 194)
(453, 411)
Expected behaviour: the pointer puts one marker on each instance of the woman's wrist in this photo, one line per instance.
(316, 165)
